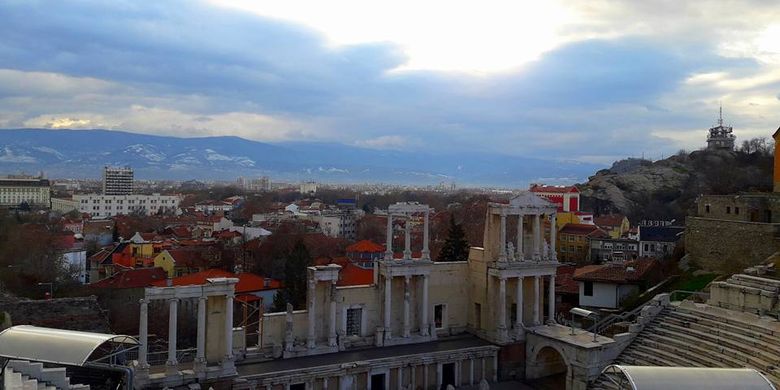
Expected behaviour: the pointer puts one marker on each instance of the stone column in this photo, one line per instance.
(424, 316)
(228, 328)
(426, 253)
(502, 308)
(483, 368)
(388, 285)
(408, 238)
(200, 355)
(551, 300)
(400, 378)
(172, 363)
(425, 376)
(537, 237)
(502, 238)
(471, 372)
(520, 256)
(553, 235)
(495, 368)
(332, 316)
(143, 335)
(519, 307)
(389, 240)
(311, 339)
(407, 325)
(537, 299)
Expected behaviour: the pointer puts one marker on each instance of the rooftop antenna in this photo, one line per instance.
(720, 115)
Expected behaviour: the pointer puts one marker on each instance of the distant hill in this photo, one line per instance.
(666, 189)
(82, 153)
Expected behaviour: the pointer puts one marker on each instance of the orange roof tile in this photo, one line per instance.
(246, 282)
(365, 246)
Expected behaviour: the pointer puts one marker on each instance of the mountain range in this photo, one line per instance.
(82, 153)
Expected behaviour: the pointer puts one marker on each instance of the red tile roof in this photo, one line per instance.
(554, 189)
(621, 273)
(579, 229)
(133, 278)
(246, 282)
(352, 275)
(365, 246)
(564, 280)
(188, 257)
(612, 220)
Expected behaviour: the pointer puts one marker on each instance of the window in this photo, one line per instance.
(588, 289)
(707, 208)
(736, 210)
(646, 248)
(354, 319)
(728, 209)
(439, 314)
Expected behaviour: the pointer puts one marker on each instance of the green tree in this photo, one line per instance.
(455, 248)
(295, 270)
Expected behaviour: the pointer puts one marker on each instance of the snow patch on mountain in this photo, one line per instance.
(9, 156)
(148, 152)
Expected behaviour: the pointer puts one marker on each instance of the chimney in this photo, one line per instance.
(776, 176)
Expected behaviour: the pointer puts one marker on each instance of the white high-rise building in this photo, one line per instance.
(117, 180)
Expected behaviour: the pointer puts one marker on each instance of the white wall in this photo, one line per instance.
(604, 295)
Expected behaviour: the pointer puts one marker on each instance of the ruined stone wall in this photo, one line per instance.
(82, 313)
(756, 208)
(729, 246)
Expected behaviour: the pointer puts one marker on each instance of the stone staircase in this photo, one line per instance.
(25, 375)
(688, 335)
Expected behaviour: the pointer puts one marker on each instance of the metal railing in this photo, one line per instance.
(158, 358)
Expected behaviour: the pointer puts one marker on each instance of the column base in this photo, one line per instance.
(332, 341)
(171, 368)
(311, 344)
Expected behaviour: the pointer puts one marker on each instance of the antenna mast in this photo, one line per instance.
(720, 115)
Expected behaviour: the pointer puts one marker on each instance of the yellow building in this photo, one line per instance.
(616, 225)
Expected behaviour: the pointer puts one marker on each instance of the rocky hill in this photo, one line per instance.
(666, 189)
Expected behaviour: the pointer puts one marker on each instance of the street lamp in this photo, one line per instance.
(51, 288)
(585, 314)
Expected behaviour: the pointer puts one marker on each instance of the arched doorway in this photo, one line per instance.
(550, 369)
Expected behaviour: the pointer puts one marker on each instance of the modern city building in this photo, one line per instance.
(15, 190)
(117, 180)
(101, 206)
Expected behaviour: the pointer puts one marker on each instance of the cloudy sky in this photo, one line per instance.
(584, 80)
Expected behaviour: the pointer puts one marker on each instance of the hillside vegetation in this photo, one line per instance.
(666, 189)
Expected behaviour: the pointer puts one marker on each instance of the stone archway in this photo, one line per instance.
(548, 369)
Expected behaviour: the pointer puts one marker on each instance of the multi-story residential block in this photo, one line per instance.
(35, 191)
(659, 241)
(101, 206)
(341, 224)
(117, 180)
(573, 241)
(607, 249)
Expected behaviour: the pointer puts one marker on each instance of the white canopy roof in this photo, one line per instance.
(58, 346)
(660, 378)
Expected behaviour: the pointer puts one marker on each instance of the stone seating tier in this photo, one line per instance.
(685, 336)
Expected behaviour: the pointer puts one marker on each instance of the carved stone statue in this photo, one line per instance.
(483, 385)
(510, 251)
